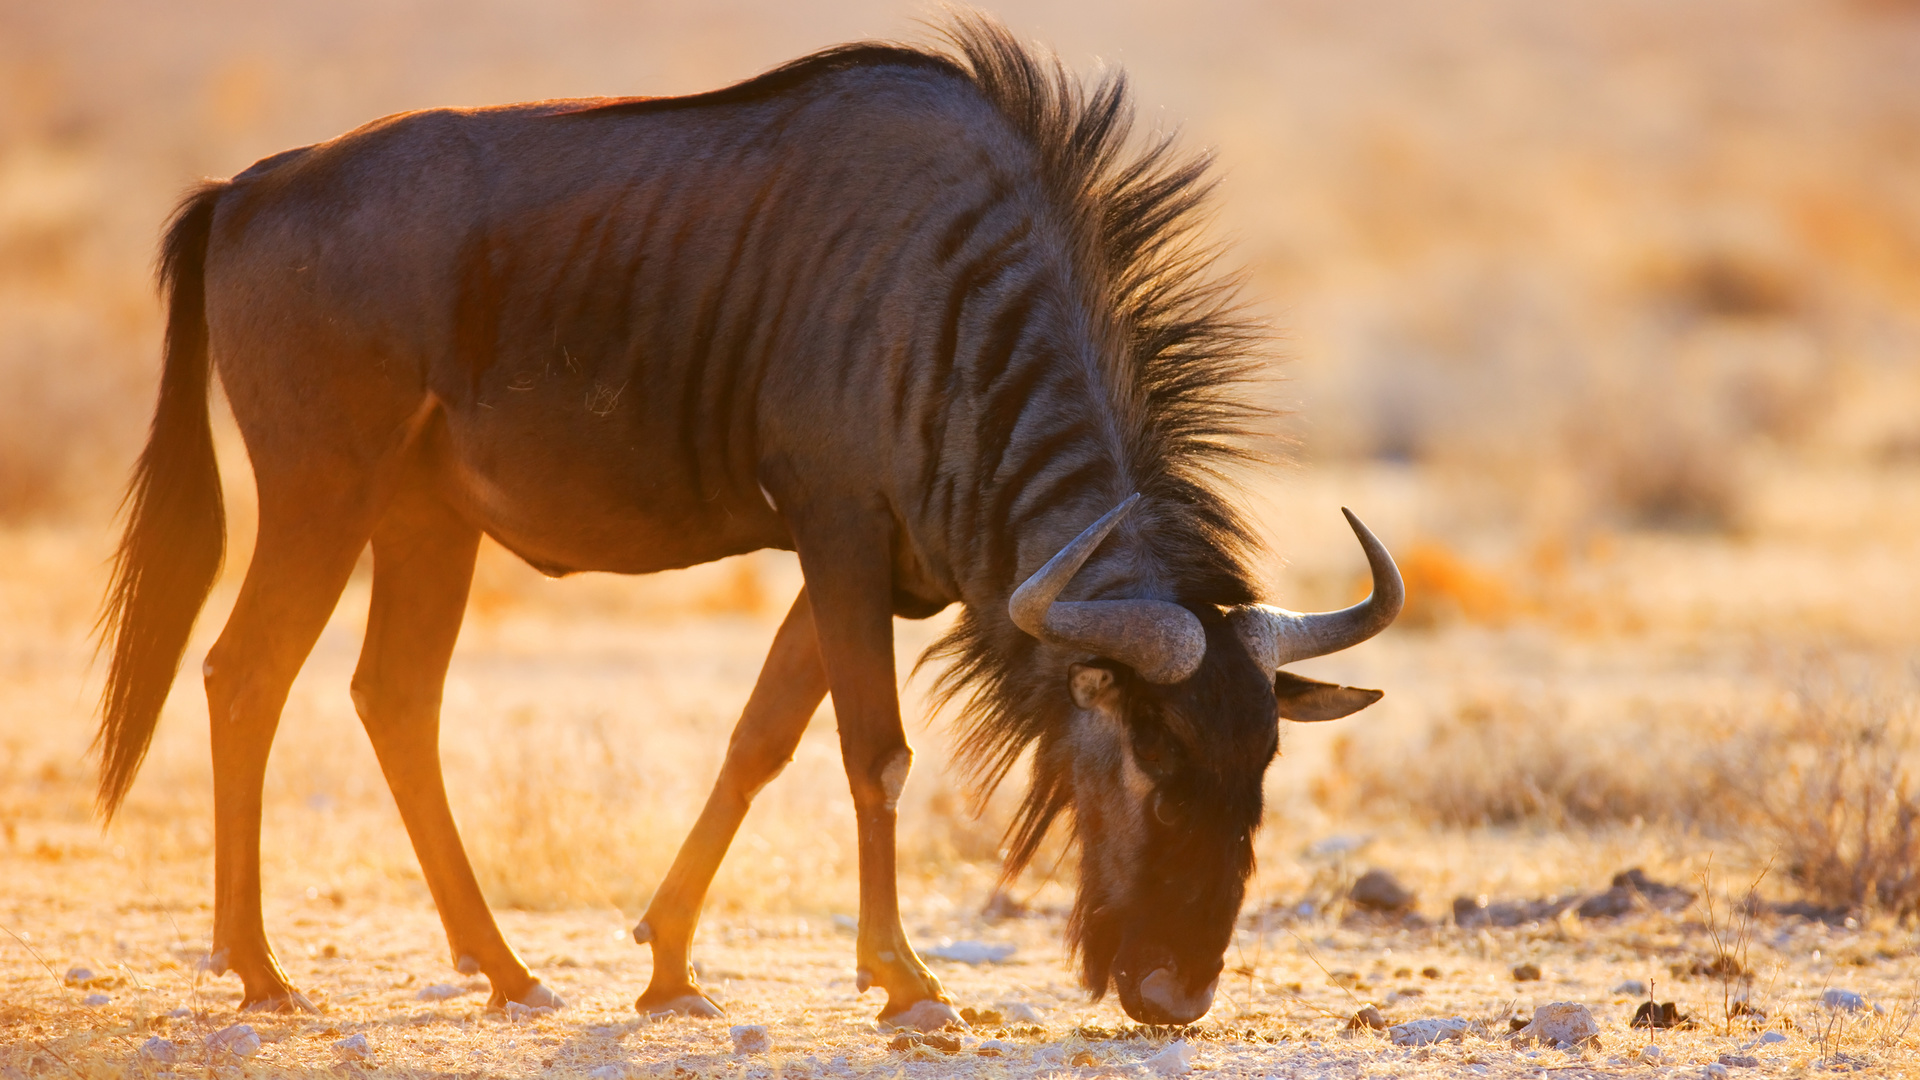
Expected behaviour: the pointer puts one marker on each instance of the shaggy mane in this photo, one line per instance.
(1185, 343)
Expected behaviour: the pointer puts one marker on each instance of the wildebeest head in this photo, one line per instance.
(1175, 719)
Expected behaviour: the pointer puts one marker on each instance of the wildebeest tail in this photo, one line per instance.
(174, 516)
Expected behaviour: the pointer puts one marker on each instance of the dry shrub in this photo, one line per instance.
(1513, 760)
(1831, 784)
(1824, 781)
(562, 823)
(1442, 587)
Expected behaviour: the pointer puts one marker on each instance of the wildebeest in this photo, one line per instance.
(934, 320)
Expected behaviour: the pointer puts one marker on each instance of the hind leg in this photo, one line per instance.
(310, 535)
(423, 557)
(790, 687)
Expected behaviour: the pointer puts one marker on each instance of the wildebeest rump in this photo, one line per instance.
(922, 317)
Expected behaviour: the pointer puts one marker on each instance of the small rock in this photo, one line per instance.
(440, 992)
(932, 1040)
(353, 1048)
(1050, 1055)
(607, 1072)
(1739, 1061)
(995, 1048)
(1427, 1032)
(1085, 1059)
(1019, 1012)
(1337, 847)
(1715, 1071)
(79, 976)
(971, 952)
(1429, 972)
(179, 1012)
(159, 1051)
(1632, 988)
(751, 1039)
(1769, 1038)
(1346, 980)
(1378, 890)
(846, 924)
(1843, 1000)
(1470, 911)
(95, 1000)
(1176, 1059)
(238, 1040)
(1651, 1055)
(521, 1014)
(1660, 1014)
(1563, 1024)
(1528, 972)
(983, 1017)
(1368, 1018)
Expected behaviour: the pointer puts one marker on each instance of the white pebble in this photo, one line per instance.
(78, 976)
(1176, 1059)
(1021, 1013)
(1564, 1024)
(440, 992)
(1843, 1000)
(996, 1048)
(607, 1072)
(159, 1051)
(519, 1013)
(353, 1048)
(970, 952)
(95, 1000)
(1426, 1032)
(1715, 1071)
(238, 1040)
(180, 1012)
(751, 1039)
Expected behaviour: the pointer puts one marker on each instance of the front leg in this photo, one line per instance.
(845, 556)
(790, 688)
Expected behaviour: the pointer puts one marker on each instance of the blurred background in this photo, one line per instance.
(1606, 316)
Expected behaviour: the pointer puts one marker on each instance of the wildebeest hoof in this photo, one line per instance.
(285, 1001)
(533, 997)
(695, 1005)
(926, 1014)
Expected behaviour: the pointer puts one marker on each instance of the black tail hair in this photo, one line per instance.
(175, 518)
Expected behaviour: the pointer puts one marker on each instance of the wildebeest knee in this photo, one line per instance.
(892, 775)
(379, 705)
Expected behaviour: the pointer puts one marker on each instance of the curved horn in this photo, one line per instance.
(1161, 641)
(1277, 637)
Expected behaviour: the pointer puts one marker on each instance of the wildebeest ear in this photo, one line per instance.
(1089, 684)
(1309, 701)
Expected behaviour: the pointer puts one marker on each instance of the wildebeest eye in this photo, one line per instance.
(1154, 749)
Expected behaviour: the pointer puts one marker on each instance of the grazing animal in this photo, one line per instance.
(922, 317)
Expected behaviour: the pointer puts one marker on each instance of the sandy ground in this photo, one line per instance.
(586, 718)
(1279, 1012)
